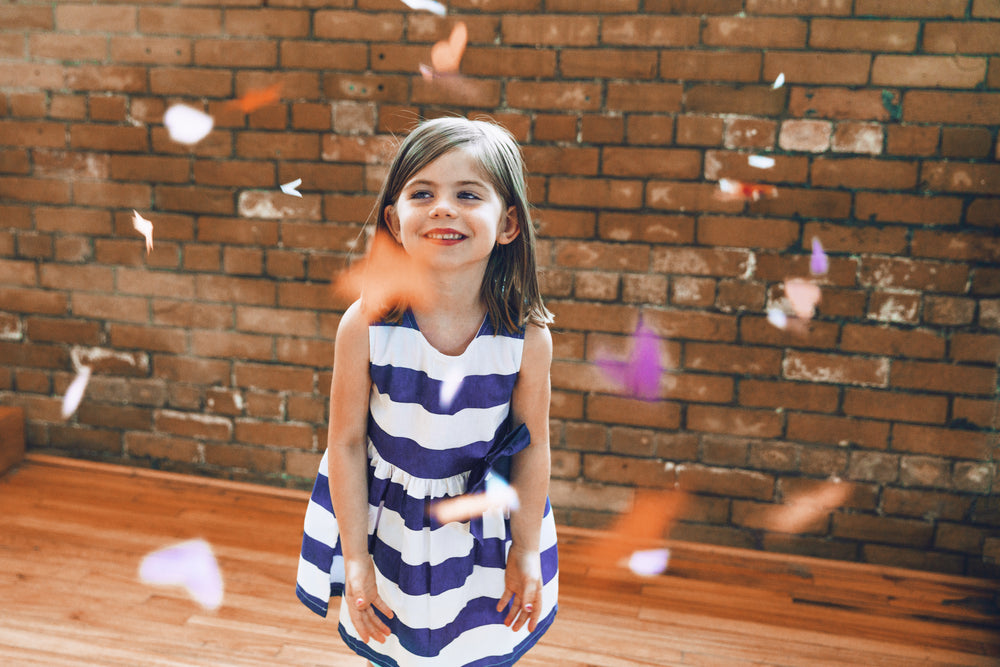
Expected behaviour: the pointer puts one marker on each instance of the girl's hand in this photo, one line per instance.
(361, 594)
(523, 585)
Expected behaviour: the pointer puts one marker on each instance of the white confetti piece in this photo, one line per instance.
(760, 161)
(74, 393)
(450, 385)
(649, 562)
(187, 125)
(778, 82)
(777, 317)
(427, 5)
(290, 188)
(191, 565)
(144, 227)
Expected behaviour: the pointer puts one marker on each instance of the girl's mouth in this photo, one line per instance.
(444, 236)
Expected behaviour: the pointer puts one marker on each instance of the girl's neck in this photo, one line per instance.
(452, 312)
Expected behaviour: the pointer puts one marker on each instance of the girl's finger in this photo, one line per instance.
(515, 607)
(380, 604)
(504, 599)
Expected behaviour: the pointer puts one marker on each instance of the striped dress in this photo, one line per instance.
(437, 426)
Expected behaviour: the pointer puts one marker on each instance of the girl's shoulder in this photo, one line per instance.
(537, 344)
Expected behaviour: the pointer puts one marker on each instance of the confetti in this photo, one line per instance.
(733, 189)
(803, 296)
(649, 562)
(640, 374)
(144, 227)
(777, 317)
(779, 81)
(760, 161)
(428, 5)
(450, 385)
(819, 264)
(802, 509)
(191, 565)
(446, 55)
(386, 276)
(498, 495)
(187, 125)
(290, 188)
(639, 531)
(74, 393)
(256, 98)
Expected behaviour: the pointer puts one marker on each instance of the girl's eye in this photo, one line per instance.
(465, 194)
(420, 194)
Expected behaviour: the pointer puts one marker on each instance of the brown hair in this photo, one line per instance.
(510, 284)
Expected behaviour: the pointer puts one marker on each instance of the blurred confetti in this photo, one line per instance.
(760, 161)
(427, 5)
(256, 98)
(191, 565)
(290, 188)
(144, 227)
(639, 376)
(498, 495)
(804, 508)
(644, 526)
(803, 297)
(733, 189)
(187, 125)
(446, 55)
(386, 276)
(450, 385)
(819, 264)
(779, 81)
(777, 317)
(75, 391)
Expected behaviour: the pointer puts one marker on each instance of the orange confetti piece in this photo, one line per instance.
(732, 189)
(385, 277)
(256, 98)
(446, 55)
(804, 508)
(646, 525)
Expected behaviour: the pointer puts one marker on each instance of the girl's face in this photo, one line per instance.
(449, 216)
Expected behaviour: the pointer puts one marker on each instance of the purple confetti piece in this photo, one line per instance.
(819, 263)
(650, 562)
(640, 374)
(191, 565)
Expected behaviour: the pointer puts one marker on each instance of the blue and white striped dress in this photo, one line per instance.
(442, 582)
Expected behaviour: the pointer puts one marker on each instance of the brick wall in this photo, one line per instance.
(212, 354)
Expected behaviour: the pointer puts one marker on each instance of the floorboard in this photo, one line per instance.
(73, 533)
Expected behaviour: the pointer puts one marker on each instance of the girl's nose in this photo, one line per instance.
(442, 209)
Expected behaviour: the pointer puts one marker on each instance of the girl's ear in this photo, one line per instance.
(391, 221)
(509, 226)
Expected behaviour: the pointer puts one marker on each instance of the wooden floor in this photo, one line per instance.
(72, 535)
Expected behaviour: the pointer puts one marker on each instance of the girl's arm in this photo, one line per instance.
(530, 478)
(347, 459)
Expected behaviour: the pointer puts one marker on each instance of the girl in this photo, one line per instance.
(414, 592)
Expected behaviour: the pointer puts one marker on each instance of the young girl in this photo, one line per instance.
(413, 591)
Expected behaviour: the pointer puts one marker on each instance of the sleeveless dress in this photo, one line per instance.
(438, 427)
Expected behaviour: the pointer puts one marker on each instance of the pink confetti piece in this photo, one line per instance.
(446, 55)
(819, 263)
(803, 509)
(649, 562)
(427, 5)
(639, 376)
(803, 297)
(187, 125)
(760, 161)
(498, 495)
(191, 565)
(144, 227)
(75, 391)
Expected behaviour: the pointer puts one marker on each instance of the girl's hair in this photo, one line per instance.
(510, 284)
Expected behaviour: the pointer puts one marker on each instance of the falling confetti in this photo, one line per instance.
(498, 495)
(450, 385)
(256, 98)
(802, 509)
(640, 374)
(649, 562)
(427, 5)
(446, 55)
(74, 393)
(777, 317)
(187, 125)
(290, 188)
(803, 297)
(733, 189)
(191, 565)
(760, 161)
(819, 263)
(779, 81)
(387, 276)
(144, 227)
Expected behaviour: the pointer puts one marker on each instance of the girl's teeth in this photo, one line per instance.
(448, 237)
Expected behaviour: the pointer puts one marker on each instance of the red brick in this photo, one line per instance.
(32, 133)
(839, 104)
(305, 352)
(822, 68)
(646, 30)
(555, 223)
(863, 35)
(270, 320)
(750, 133)
(901, 8)
(270, 377)
(651, 162)
(841, 431)
(876, 404)
(886, 530)
(911, 209)
(701, 261)
(985, 9)
(267, 22)
(747, 232)
(800, 7)
(198, 82)
(812, 136)
(925, 504)
(913, 274)
(733, 99)
(62, 46)
(691, 291)
(736, 421)
(235, 290)
(755, 32)
(229, 345)
(543, 31)
(180, 21)
(864, 173)
(695, 478)
(974, 347)
(69, 276)
(940, 377)
(628, 470)
(928, 71)
(595, 192)
(945, 442)
(23, 17)
(604, 63)
(735, 359)
(555, 95)
(95, 18)
(949, 311)
(788, 395)
(156, 446)
(858, 138)
(836, 369)
(958, 177)
(892, 342)
(299, 54)
(710, 66)
(600, 256)
(698, 131)
(851, 239)
(642, 96)
(953, 108)
(32, 75)
(347, 25)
